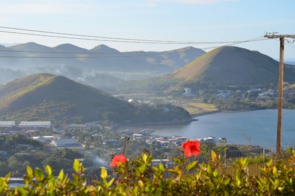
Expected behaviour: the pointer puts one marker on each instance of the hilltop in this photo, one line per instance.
(61, 100)
(233, 66)
(81, 64)
(219, 68)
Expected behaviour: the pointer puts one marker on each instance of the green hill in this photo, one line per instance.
(61, 100)
(81, 64)
(233, 66)
(219, 68)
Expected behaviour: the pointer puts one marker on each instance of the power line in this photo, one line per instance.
(81, 35)
(93, 52)
(103, 38)
(288, 43)
(91, 55)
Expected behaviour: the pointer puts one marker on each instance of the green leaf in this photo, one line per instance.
(7, 177)
(29, 171)
(214, 156)
(104, 173)
(61, 175)
(21, 190)
(76, 165)
(111, 182)
(39, 175)
(48, 170)
(144, 157)
(191, 165)
(215, 173)
(275, 170)
(161, 167)
(142, 168)
(140, 183)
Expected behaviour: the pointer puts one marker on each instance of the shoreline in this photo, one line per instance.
(205, 113)
(187, 121)
(158, 123)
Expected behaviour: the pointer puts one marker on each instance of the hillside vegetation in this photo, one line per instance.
(82, 65)
(220, 68)
(233, 66)
(61, 100)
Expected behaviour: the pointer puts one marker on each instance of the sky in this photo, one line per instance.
(171, 20)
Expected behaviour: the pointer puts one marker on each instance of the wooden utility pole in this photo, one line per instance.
(280, 86)
(125, 145)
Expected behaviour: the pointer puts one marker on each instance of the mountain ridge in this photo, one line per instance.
(233, 65)
(80, 64)
(61, 100)
(219, 68)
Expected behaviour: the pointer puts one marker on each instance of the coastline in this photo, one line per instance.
(206, 113)
(187, 121)
(158, 123)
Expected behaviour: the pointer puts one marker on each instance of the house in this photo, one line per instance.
(222, 94)
(66, 143)
(7, 124)
(267, 95)
(44, 139)
(188, 93)
(137, 136)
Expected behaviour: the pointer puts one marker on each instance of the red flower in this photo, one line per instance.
(118, 159)
(191, 148)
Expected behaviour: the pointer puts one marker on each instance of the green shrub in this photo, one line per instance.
(140, 177)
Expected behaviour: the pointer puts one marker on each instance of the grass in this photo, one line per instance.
(194, 107)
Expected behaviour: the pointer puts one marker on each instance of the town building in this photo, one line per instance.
(66, 143)
(35, 125)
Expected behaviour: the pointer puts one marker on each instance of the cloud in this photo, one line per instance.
(192, 1)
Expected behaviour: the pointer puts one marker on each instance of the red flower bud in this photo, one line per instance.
(191, 148)
(118, 159)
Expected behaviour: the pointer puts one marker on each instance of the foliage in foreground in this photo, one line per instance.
(139, 177)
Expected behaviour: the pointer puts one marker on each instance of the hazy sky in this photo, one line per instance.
(176, 20)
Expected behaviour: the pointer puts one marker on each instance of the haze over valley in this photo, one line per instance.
(89, 66)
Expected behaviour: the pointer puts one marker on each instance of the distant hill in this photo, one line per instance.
(79, 63)
(221, 67)
(233, 66)
(291, 62)
(61, 100)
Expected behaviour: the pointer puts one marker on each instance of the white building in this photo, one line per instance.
(136, 136)
(188, 93)
(44, 139)
(35, 124)
(7, 124)
(66, 143)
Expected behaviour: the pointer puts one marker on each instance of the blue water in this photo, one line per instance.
(252, 127)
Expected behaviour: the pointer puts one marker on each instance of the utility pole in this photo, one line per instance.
(125, 144)
(280, 86)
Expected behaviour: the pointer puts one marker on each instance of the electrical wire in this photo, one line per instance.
(93, 54)
(108, 39)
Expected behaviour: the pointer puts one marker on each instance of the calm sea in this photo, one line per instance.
(252, 127)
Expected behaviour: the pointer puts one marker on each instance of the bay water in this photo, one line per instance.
(257, 127)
